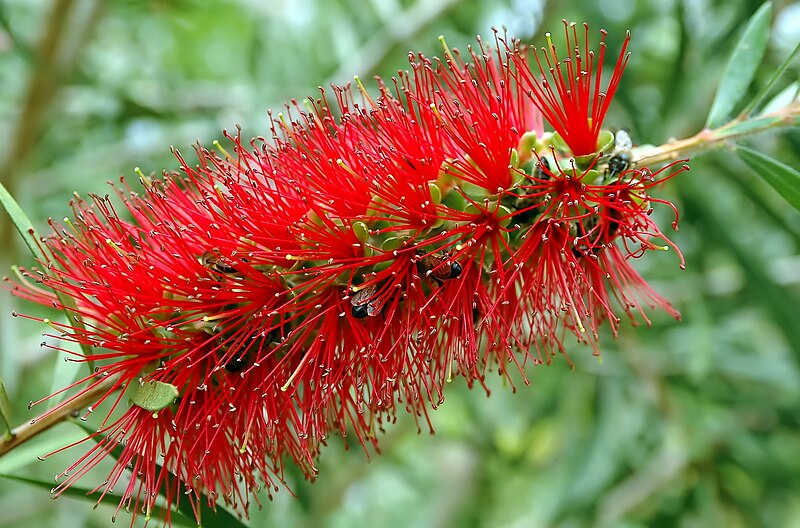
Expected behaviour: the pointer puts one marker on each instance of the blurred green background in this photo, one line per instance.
(689, 424)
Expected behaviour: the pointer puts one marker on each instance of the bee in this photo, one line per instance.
(365, 302)
(524, 211)
(439, 267)
(246, 354)
(216, 264)
(539, 173)
(588, 225)
(240, 361)
(620, 158)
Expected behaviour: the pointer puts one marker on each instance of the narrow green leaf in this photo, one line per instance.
(741, 66)
(217, 517)
(153, 395)
(760, 197)
(5, 410)
(86, 494)
(750, 126)
(780, 176)
(784, 98)
(25, 228)
(21, 222)
(767, 87)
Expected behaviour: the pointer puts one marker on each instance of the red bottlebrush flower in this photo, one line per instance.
(483, 109)
(355, 262)
(161, 310)
(569, 93)
(574, 249)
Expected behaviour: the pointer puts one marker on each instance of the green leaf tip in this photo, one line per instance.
(781, 177)
(25, 228)
(21, 221)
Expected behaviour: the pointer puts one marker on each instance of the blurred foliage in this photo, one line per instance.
(686, 424)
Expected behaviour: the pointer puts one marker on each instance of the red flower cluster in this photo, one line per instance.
(372, 249)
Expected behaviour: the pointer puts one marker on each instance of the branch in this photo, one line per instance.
(32, 429)
(708, 139)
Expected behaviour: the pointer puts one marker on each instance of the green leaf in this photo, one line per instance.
(750, 126)
(767, 87)
(21, 222)
(153, 395)
(25, 228)
(741, 66)
(784, 98)
(81, 493)
(780, 176)
(5, 410)
(217, 517)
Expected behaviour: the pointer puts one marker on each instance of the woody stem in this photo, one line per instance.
(708, 139)
(27, 431)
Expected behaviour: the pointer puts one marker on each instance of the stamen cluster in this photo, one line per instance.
(350, 265)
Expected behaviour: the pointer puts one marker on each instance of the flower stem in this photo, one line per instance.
(27, 431)
(708, 139)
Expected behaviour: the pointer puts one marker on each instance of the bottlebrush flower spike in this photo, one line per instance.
(163, 317)
(574, 249)
(483, 110)
(569, 92)
(350, 266)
